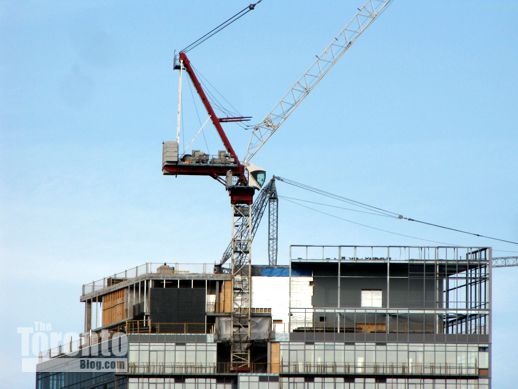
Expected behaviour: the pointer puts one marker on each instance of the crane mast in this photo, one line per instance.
(273, 224)
(365, 16)
(267, 198)
(241, 199)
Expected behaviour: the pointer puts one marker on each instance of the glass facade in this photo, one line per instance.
(370, 358)
(80, 381)
(172, 358)
(372, 383)
(258, 382)
(180, 383)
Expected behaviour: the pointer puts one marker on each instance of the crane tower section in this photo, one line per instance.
(226, 165)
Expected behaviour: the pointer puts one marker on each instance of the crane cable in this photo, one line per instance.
(331, 206)
(221, 26)
(383, 212)
(289, 199)
(298, 201)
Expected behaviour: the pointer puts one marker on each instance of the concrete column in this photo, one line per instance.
(88, 316)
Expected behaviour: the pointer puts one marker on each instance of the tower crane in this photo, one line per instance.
(241, 179)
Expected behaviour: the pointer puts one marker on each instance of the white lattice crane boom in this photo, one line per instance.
(263, 131)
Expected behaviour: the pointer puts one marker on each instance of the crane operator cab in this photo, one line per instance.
(256, 175)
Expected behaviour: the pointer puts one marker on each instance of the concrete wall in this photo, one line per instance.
(272, 292)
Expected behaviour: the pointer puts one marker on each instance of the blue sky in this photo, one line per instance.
(418, 117)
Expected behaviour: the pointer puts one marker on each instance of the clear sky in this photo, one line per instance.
(418, 117)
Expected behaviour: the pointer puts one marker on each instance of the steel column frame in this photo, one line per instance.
(241, 286)
(263, 199)
(505, 261)
(489, 307)
(273, 225)
(387, 317)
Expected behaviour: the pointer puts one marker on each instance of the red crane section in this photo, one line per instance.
(208, 107)
(173, 164)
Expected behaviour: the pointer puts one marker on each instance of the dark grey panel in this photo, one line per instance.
(177, 305)
(411, 286)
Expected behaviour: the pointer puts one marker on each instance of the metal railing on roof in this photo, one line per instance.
(388, 253)
(148, 268)
(358, 368)
(148, 327)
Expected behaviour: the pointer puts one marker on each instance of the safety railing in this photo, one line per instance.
(195, 368)
(166, 268)
(387, 253)
(169, 368)
(96, 339)
(212, 307)
(147, 327)
(387, 320)
(406, 369)
(380, 369)
(69, 347)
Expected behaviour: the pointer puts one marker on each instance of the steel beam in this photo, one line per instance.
(505, 261)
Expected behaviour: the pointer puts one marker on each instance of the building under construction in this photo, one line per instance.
(335, 317)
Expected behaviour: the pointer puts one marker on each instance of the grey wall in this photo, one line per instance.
(411, 286)
(177, 305)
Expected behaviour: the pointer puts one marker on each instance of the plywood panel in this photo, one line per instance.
(225, 297)
(219, 303)
(114, 307)
(275, 357)
(370, 327)
(228, 296)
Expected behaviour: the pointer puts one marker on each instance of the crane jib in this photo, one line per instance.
(263, 131)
